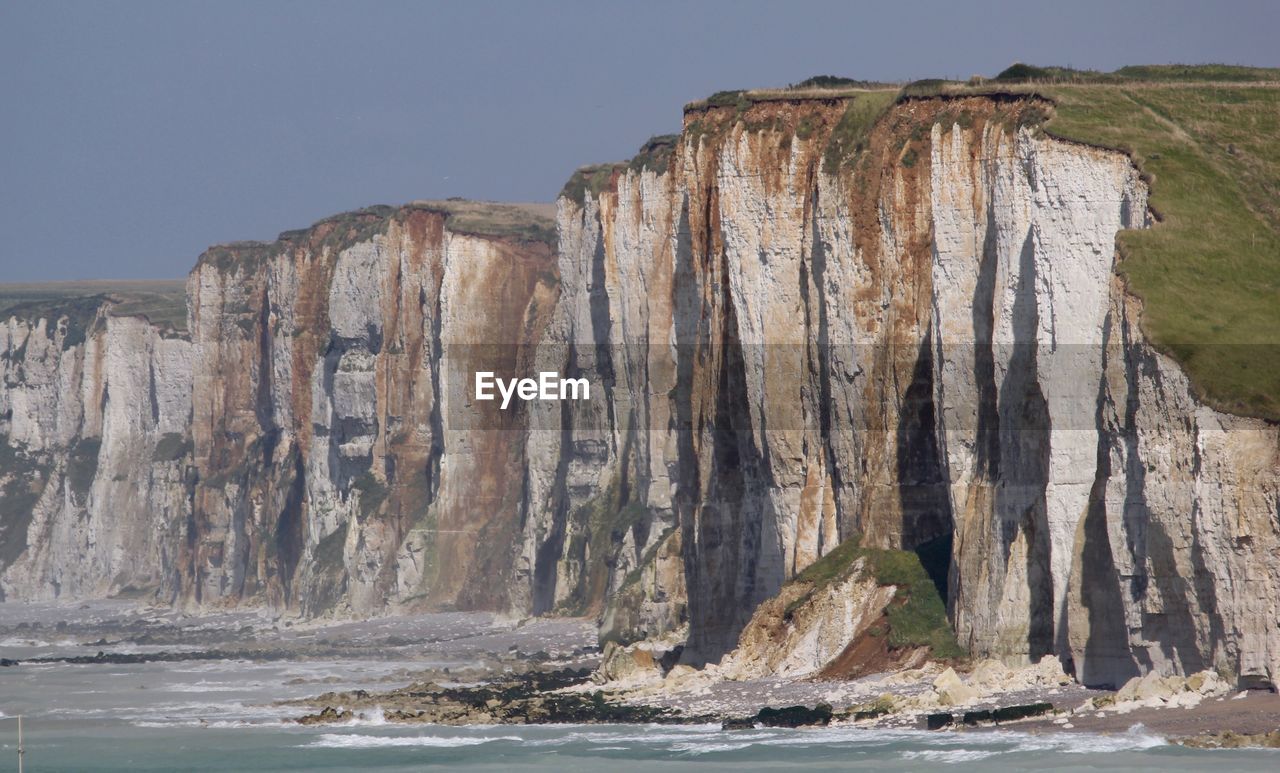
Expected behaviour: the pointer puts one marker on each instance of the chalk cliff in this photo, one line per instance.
(312, 446)
(913, 331)
(804, 318)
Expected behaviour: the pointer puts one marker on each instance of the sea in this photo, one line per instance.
(221, 716)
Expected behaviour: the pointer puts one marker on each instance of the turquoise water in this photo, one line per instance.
(219, 715)
(110, 746)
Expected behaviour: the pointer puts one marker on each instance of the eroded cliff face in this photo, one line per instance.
(803, 319)
(344, 461)
(314, 446)
(94, 484)
(915, 334)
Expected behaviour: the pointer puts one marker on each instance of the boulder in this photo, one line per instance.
(939, 720)
(1048, 672)
(1208, 683)
(1128, 690)
(626, 663)
(990, 674)
(952, 690)
(795, 716)
(1154, 687)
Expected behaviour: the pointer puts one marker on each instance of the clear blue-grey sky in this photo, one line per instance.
(134, 134)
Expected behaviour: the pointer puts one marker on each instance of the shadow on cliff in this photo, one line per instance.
(1021, 506)
(923, 491)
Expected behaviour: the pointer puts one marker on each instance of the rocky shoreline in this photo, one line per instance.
(1201, 711)
(470, 669)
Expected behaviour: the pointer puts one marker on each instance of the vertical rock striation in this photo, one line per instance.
(344, 463)
(313, 446)
(95, 476)
(802, 319)
(913, 331)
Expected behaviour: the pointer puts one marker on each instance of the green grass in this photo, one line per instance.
(849, 136)
(833, 82)
(1152, 73)
(521, 222)
(163, 302)
(1207, 139)
(1209, 272)
(917, 615)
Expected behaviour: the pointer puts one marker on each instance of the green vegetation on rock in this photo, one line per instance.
(655, 154)
(521, 222)
(589, 179)
(1208, 271)
(605, 520)
(917, 615)
(491, 219)
(163, 302)
(849, 136)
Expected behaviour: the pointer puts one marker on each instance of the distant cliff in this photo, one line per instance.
(807, 317)
(291, 452)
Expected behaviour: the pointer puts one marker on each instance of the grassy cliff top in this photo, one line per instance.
(1207, 139)
(534, 222)
(163, 301)
(1209, 271)
(655, 154)
(819, 87)
(491, 219)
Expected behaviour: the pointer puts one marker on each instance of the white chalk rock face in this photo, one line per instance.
(941, 350)
(95, 492)
(918, 338)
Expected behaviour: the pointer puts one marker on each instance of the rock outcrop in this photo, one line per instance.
(805, 318)
(911, 329)
(805, 628)
(314, 445)
(95, 491)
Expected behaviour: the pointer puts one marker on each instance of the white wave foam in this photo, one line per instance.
(373, 718)
(205, 686)
(949, 756)
(915, 744)
(340, 741)
(708, 747)
(1136, 738)
(20, 641)
(217, 724)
